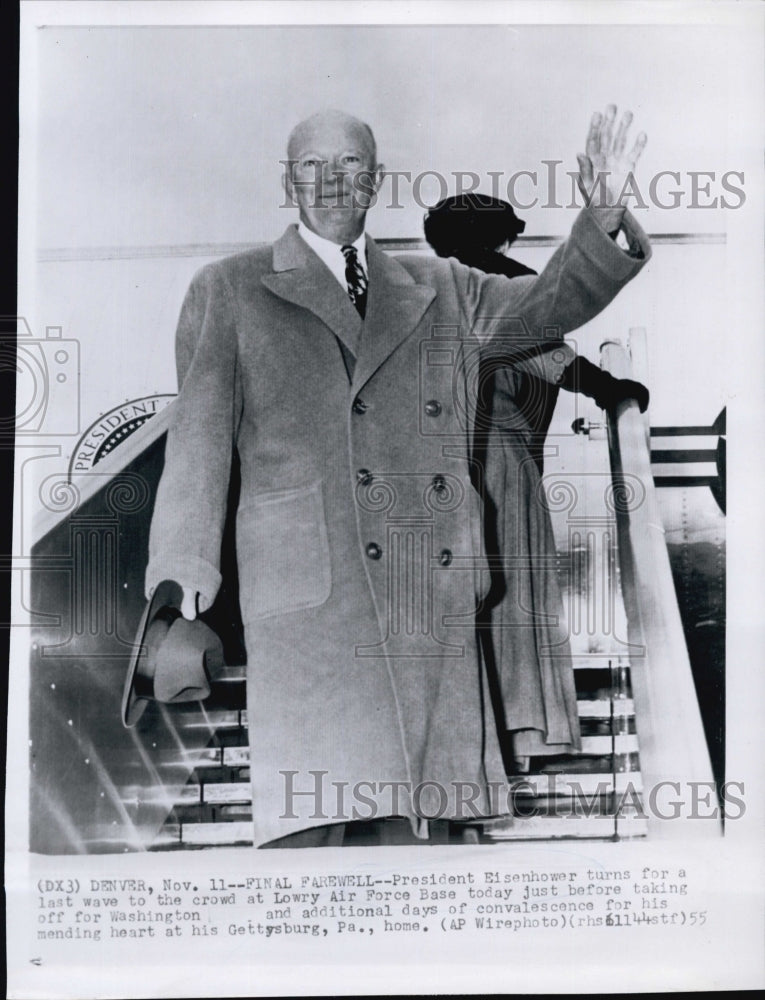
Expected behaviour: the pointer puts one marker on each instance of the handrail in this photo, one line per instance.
(673, 749)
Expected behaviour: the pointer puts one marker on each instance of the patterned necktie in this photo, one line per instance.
(356, 279)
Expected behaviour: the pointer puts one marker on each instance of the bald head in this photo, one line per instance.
(326, 125)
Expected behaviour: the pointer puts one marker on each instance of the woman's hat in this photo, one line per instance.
(471, 221)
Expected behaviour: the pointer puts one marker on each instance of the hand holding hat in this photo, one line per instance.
(174, 659)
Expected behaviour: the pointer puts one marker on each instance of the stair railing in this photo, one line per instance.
(678, 784)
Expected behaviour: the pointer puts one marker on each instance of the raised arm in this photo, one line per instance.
(523, 320)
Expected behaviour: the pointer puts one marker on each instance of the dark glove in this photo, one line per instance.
(585, 377)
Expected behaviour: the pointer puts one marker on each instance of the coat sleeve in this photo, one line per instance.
(522, 321)
(190, 509)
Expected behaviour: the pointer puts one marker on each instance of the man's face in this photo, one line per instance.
(333, 175)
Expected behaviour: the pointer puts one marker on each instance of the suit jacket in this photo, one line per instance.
(359, 531)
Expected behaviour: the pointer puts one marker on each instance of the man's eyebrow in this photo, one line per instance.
(360, 151)
(356, 150)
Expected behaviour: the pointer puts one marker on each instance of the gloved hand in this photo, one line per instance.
(615, 390)
(585, 377)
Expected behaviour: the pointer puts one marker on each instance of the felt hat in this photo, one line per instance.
(173, 660)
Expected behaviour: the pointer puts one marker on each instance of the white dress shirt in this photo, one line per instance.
(331, 253)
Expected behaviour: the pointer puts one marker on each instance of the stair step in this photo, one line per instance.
(536, 787)
(208, 834)
(566, 828)
(190, 795)
(239, 832)
(599, 746)
(210, 756)
(603, 708)
(154, 794)
(236, 718)
(623, 743)
(569, 785)
(236, 756)
(217, 720)
(236, 811)
(228, 793)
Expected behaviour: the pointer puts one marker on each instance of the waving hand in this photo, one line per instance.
(606, 167)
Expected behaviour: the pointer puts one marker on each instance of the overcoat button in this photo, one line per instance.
(432, 407)
(359, 406)
(439, 484)
(374, 551)
(364, 477)
(445, 557)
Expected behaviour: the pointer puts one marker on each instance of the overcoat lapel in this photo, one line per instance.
(302, 278)
(395, 305)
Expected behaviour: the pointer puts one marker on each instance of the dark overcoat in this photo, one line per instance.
(359, 530)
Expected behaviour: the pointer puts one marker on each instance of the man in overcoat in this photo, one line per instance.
(344, 379)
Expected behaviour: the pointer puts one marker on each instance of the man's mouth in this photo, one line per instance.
(337, 199)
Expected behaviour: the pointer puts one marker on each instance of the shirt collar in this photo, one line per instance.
(330, 253)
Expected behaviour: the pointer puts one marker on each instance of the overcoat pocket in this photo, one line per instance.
(283, 552)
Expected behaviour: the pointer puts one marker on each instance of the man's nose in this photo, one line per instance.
(334, 171)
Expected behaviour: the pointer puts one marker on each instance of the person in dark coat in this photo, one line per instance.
(523, 632)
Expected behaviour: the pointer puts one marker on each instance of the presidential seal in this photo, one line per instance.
(112, 429)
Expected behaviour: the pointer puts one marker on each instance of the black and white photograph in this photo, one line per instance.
(386, 601)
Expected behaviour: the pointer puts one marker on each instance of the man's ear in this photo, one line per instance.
(379, 176)
(287, 183)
